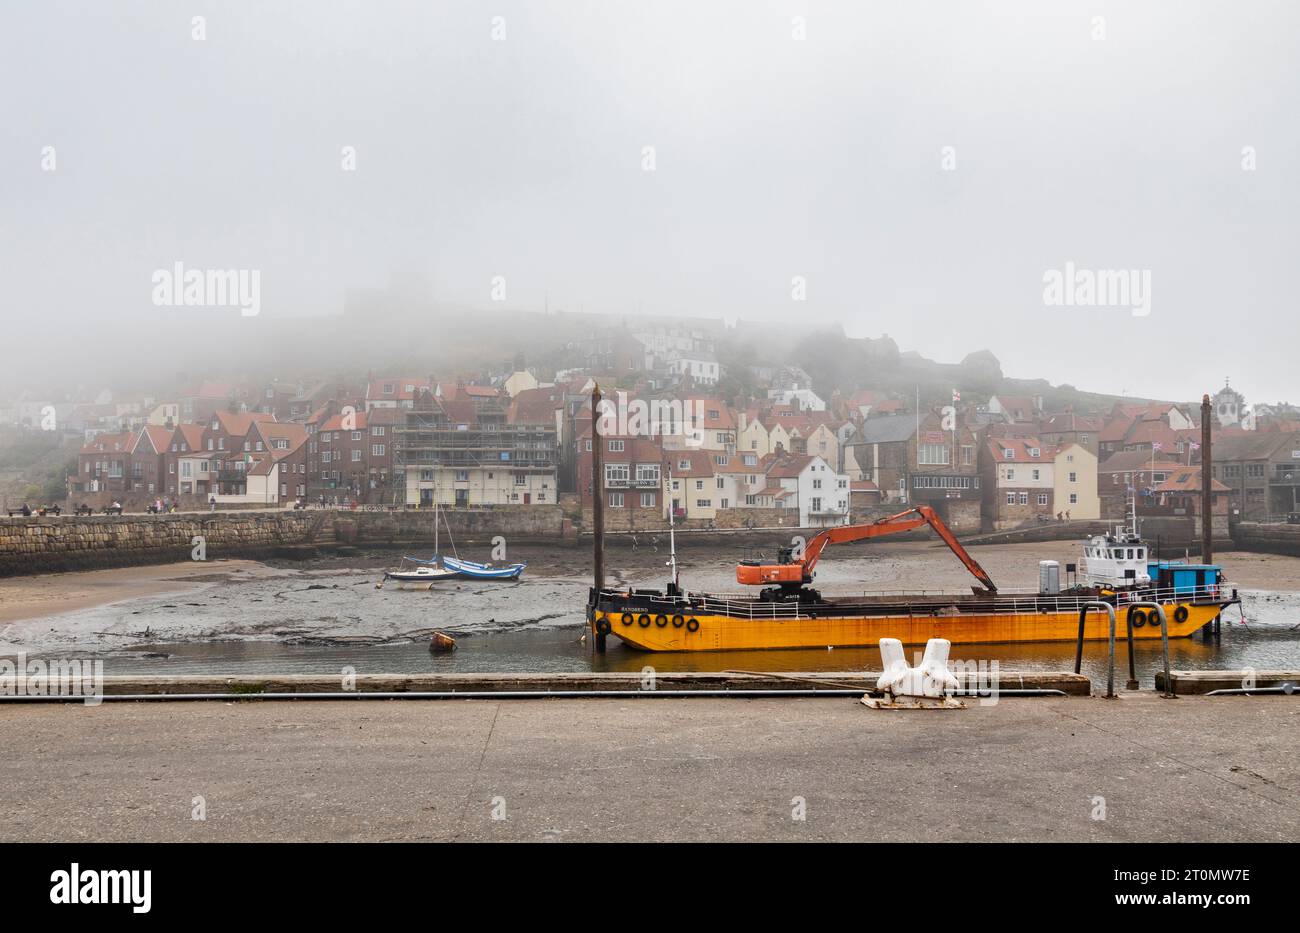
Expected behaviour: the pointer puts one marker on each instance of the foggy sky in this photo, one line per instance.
(774, 158)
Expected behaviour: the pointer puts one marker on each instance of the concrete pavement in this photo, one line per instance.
(1193, 768)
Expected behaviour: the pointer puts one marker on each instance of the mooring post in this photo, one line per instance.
(1207, 498)
(1207, 468)
(597, 511)
(1132, 660)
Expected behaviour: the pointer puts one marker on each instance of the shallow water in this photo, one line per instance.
(328, 615)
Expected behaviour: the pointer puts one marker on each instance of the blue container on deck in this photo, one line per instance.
(1184, 579)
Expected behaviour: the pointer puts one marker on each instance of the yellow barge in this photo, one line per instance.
(657, 621)
(788, 613)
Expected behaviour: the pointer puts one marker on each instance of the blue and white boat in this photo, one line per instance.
(471, 568)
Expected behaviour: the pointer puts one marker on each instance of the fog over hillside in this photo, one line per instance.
(911, 170)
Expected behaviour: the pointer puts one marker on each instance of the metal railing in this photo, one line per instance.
(1031, 603)
(1155, 607)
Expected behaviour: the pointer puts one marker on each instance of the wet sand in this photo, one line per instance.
(41, 596)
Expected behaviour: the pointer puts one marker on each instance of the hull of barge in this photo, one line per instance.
(641, 626)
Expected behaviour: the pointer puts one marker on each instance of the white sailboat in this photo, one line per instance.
(418, 570)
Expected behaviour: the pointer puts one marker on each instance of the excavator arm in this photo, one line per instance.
(844, 534)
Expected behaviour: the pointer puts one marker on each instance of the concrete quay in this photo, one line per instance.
(1136, 768)
(558, 683)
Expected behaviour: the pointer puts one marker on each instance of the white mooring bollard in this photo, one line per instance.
(932, 680)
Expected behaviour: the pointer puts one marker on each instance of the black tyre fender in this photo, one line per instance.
(692, 625)
(661, 620)
(1138, 617)
(643, 620)
(678, 621)
(627, 618)
(1181, 614)
(602, 625)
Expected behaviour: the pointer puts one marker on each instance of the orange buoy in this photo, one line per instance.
(441, 641)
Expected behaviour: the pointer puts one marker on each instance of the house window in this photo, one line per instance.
(750, 500)
(683, 464)
(356, 456)
(817, 484)
(377, 431)
(462, 476)
(1033, 451)
(1074, 498)
(1042, 498)
(356, 435)
(521, 479)
(616, 474)
(704, 503)
(615, 447)
(1035, 472)
(616, 500)
(720, 459)
(967, 456)
(1024, 498)
(1074, 477)
(647, 500)
(932, 454)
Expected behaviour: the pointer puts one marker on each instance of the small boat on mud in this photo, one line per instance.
(470, 568)
(415, 570)
(446, 567)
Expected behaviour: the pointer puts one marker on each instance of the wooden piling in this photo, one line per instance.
(1207, 512)
(597, 508)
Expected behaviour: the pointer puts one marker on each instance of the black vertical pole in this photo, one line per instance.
(1207, 463)
(597, 509)
(1207, 496)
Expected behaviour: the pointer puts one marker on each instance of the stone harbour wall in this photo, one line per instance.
(59, 543)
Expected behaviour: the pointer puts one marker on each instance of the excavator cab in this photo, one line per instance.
(756, 569)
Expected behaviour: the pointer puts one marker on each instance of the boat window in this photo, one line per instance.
(1142, 553)
(1130, 553)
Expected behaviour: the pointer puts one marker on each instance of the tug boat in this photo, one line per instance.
(789, 613)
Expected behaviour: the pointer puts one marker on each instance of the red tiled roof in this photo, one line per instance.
(1188, 479)
(375, 388)
(336, 423)
(1019, 447)
(110, 443)
(158, 437)
(535, 406)
(1115, 429)
(788, 466)
(237, 424)
(701, 463)
(190, 434)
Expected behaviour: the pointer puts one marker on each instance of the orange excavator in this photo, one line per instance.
(791, 573)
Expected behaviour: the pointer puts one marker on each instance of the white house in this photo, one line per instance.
(820, 494)
(700, 365)
(800, 397)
